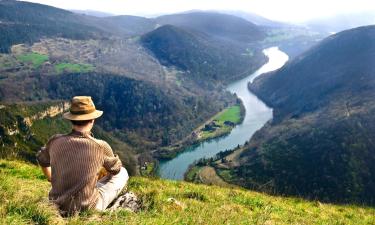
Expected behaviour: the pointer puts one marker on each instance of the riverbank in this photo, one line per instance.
(222, 124)
(220, 169)
(257, 114)
(219, 125)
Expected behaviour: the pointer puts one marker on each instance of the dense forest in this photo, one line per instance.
(203, 56)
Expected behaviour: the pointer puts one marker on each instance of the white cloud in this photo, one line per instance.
(284, 10)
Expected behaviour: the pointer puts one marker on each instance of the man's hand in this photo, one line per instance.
(47, 172)
(102, 173)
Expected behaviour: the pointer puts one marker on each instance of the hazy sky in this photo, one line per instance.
(283, 10)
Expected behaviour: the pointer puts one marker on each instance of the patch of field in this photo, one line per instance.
(73, 68)
(35, 59)
(232, 114)
(208, 176)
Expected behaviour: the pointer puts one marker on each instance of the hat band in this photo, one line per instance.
(82, 112)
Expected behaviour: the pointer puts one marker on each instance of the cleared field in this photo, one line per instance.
(232, 114)
(73, 68)
(35, 59)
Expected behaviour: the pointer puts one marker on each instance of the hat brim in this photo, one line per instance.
(89, 116)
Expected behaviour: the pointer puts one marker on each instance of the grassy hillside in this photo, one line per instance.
(23, 191)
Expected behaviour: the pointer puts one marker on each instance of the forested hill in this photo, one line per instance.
(221, 26)
(320, 143)
(341, 66)
(24, 22)
(203, 56)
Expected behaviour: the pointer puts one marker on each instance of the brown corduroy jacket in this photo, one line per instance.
(75, 161)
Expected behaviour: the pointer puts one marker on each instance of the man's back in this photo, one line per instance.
(75, 160)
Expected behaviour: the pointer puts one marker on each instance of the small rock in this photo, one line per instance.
(128, 201)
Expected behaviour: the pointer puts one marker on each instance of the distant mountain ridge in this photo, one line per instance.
(92, 13)
(256, 19)
(200, 54)
(215, 24)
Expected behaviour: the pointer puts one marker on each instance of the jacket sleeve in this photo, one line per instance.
(43, 157)
(111, 163)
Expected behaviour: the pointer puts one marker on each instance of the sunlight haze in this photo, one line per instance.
(287, 10)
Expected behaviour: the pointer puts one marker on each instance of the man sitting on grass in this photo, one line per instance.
(72, 163)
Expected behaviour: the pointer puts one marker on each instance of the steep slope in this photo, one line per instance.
(221, 26)
(201, 55)
(24, 128)
(24, 22)
(321, 141)
(190, 204)
(341, 65)
(140, 113)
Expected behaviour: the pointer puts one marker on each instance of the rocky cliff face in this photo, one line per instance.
(26, 127)
(51, 111)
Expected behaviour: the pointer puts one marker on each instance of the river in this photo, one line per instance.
(257, 114)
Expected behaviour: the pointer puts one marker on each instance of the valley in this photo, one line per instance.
(320, 141)
(257, 114)
(156, 79)
(280, 115)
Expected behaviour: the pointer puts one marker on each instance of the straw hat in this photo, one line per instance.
(82, 108)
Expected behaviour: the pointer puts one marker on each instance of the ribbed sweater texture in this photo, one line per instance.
(75, 160)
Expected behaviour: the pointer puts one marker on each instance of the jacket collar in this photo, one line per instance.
(79, 133)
